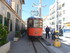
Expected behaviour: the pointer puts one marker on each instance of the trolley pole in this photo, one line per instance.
(39, 8)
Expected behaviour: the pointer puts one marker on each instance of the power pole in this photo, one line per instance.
(57, 19)
(39, 8)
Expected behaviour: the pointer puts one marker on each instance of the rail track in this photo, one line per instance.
(34, 46)
(43, 42)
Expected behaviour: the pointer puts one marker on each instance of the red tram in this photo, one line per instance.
(34, 27)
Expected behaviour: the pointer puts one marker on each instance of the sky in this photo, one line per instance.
(27, 7)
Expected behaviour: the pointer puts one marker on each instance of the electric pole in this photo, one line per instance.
(39, 8)
(57, 19)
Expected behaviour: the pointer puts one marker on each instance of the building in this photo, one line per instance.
(46, 22)
(62, 9)
(10, 14)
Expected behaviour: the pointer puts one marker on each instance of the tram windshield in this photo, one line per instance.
(30, 23)
(38, 23)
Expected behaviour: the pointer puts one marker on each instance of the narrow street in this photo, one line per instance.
(46, 22)
(24, 45)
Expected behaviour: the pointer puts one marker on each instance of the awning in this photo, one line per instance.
(67, 24)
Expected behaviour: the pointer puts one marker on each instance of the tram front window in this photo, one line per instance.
(38, 23)
(30, 24)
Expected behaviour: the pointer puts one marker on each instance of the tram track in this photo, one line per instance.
(42, 42)
(34, 46)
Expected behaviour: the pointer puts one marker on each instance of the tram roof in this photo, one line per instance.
(32, 17)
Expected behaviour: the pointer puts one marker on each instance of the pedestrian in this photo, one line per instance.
(60, 32)
(52, 30)
(47, 32)
(55, 35)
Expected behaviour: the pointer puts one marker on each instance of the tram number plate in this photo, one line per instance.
(36, 32)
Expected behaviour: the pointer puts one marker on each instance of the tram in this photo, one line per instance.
(34, 27)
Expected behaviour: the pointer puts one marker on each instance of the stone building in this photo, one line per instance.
(10, 14)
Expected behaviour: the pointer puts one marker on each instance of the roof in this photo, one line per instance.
(32, 17)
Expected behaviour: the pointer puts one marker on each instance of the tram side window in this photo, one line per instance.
(30, 24)
(41, 23)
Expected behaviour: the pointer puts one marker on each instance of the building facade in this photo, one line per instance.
(62, 9)
(46, 22)
(10, 14)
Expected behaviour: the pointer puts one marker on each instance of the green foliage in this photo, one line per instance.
(17, 34)
(22, 31)
(3, 34)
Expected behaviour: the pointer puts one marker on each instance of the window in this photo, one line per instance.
(10, 25)
(20, 1)
(53, 17)
(8, 15)
(22, 27)
(20, 12)
(17, 8)
(17, 25)
(37, 23)
(59, 14)
(30, 23)
(63, 11)
(5, 21)
(52, 23)
(59, 7)
(1, 19)
(63, 4)
(63, 19)
(52, 12)
(60, 22)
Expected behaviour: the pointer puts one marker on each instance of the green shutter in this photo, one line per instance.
(1, 19)
(5, 21)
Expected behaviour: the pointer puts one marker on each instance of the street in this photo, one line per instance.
(23, 19)
(24, 45)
